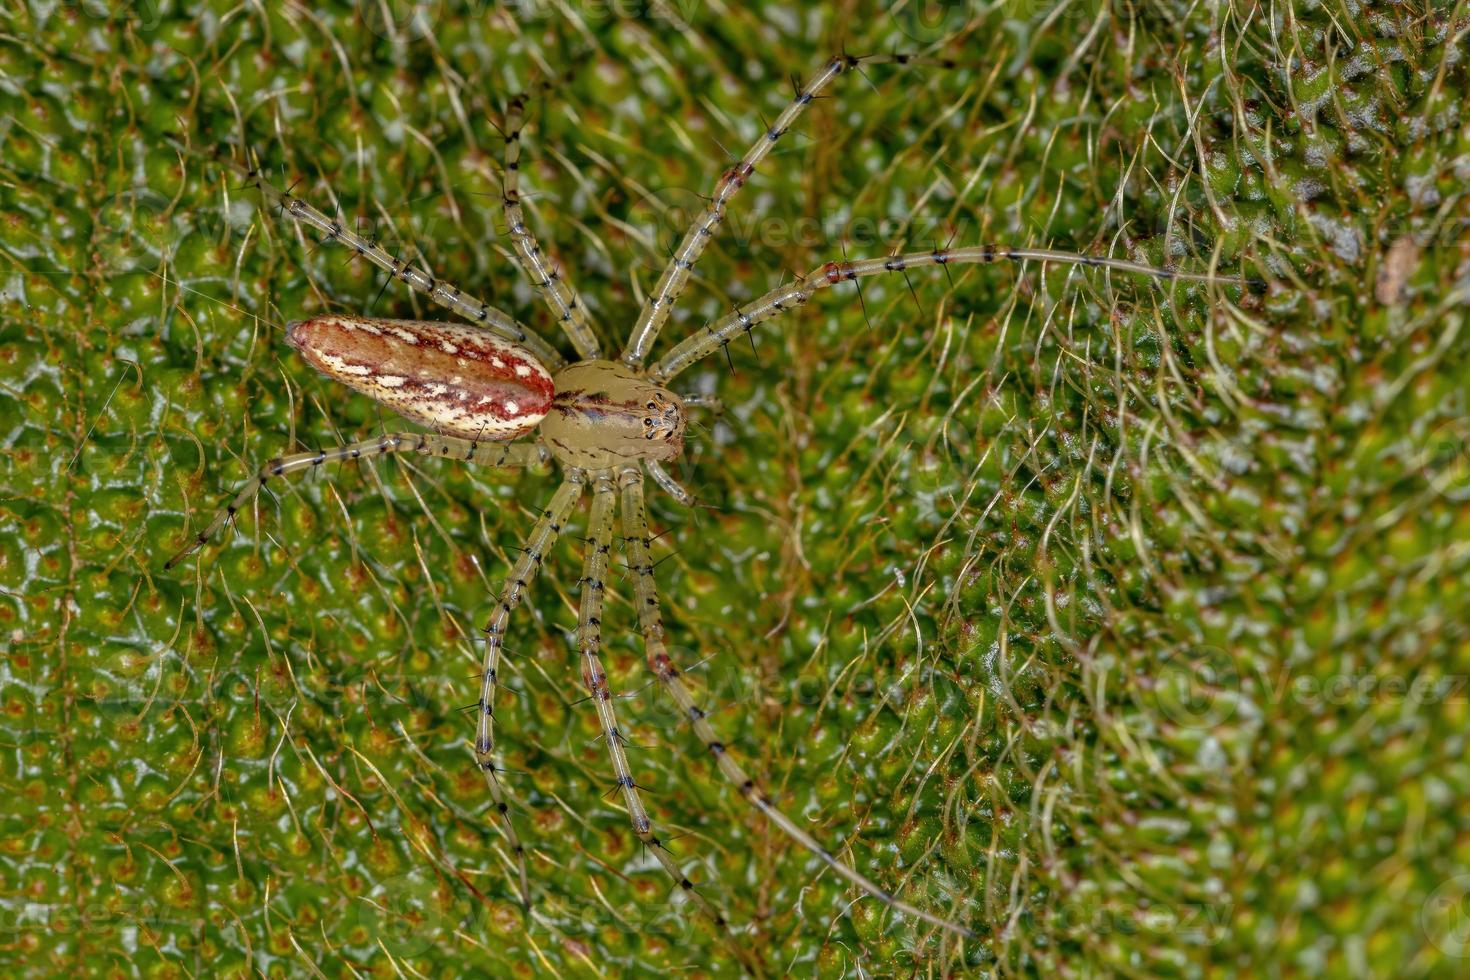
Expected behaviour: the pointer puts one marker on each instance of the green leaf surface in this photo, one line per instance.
(1122, 621)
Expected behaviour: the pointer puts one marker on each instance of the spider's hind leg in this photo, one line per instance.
(635, 533)
(517, 581)
(594, 676)
(490, 454)
(446, 294)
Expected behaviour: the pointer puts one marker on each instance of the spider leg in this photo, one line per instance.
(594, 676)
(507, 455)
(719, 334)
(635, 532)
(667, 483)
(549, 281)
(520, 577)
(710, 403)
(445, 294)
(671, 283)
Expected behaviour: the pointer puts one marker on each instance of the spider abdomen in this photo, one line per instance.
(461, 380)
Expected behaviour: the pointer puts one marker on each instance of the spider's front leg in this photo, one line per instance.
(636, 537)
(549, 281)
(468, 450)
(676, 274)
(719, 334)
(594, 676)
(517, 581)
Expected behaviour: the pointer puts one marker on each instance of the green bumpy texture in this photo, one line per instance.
(1121, 621)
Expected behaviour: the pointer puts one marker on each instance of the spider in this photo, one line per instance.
(496, 393)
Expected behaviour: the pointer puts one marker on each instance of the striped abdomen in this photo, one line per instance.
(461, 380)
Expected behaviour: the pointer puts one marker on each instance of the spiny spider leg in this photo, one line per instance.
(659, 305)
(783, 298)
(650, 620)
(520, 577)
(445, 294)
(589, 639)
(550, 282)
(488, 453)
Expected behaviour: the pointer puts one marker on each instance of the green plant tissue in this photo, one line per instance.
(1120, 620)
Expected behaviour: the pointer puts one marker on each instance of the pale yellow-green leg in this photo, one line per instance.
(635, 532)
(676, 274)
(667, 483)
(720, 333)
(551, 283)
(501, 454)
(473, 309)
(594, 677)
(521, 575)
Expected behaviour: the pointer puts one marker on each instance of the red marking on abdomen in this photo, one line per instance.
(461, 380)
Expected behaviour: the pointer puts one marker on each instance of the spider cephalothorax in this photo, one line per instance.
(606, 413)
(483, 386)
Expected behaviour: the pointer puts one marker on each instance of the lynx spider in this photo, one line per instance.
(484, 385)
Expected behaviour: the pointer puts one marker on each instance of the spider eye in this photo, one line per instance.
(648, 435)
(647, 423)
(652, 405)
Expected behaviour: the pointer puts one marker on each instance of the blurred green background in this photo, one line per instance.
(1118, 621)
